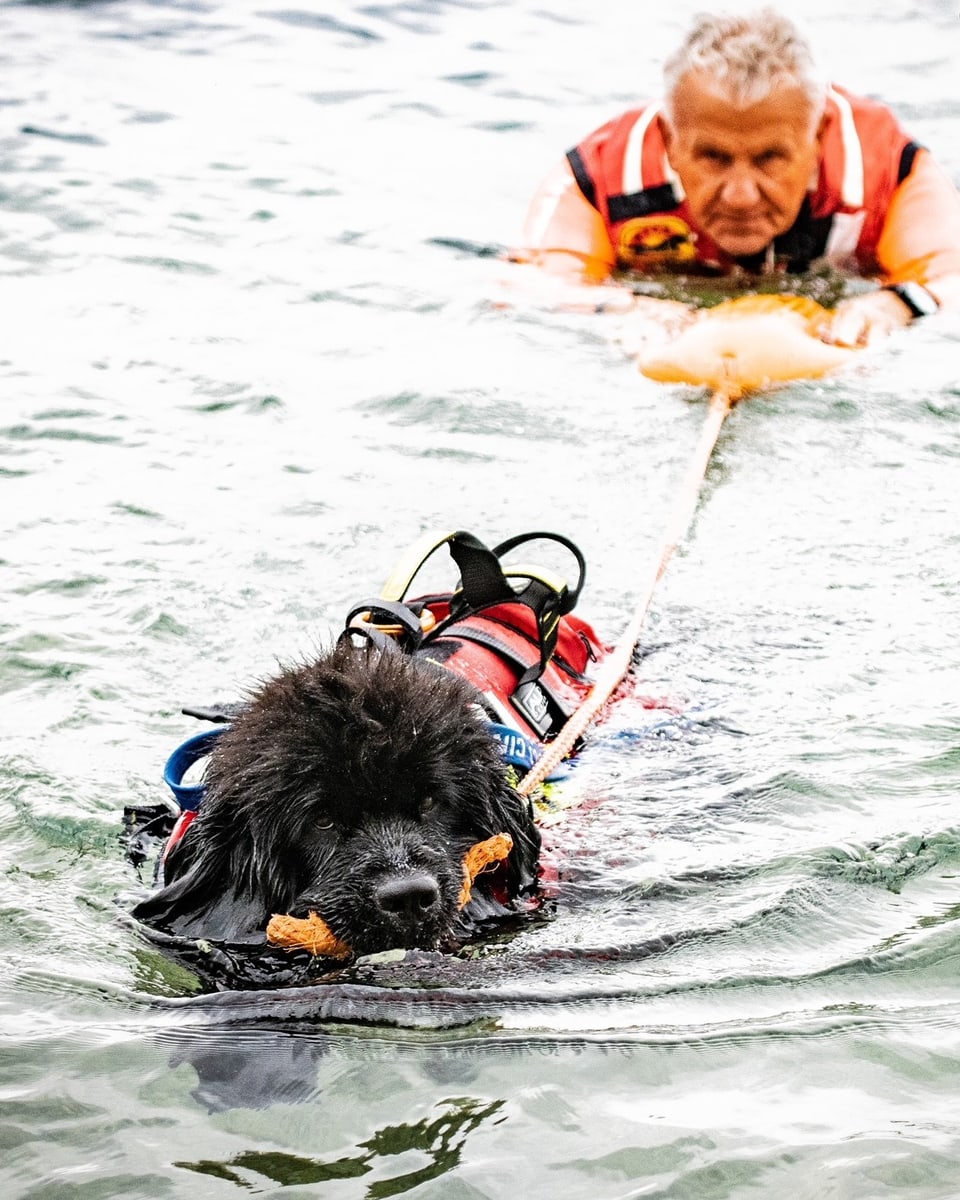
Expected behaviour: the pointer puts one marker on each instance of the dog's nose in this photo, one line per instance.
(407, 895)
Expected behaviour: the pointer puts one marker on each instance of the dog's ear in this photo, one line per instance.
(513, 814)
(201, 904)
(210, 893)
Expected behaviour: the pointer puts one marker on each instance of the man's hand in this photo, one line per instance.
(864, 319)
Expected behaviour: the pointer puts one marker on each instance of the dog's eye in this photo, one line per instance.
(323, 823)
(427, 804)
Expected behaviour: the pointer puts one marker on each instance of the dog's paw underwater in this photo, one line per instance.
(362, 802)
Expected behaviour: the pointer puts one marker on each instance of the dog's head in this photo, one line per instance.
(352, 787)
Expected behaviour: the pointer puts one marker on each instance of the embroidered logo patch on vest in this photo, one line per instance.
(650, 241)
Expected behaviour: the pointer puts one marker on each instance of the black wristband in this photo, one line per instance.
(915, 296)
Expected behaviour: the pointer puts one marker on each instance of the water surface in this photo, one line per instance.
(254, 342)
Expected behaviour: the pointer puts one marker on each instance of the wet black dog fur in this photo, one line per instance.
(351, 786)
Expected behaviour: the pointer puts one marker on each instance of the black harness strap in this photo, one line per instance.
(394, 612)
(532, 697)
(484, 585)
(907, 155)
(583, 177)
(218, 714)
(660, 199)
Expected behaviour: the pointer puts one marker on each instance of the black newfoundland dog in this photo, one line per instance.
(351, 787)
(362, 802)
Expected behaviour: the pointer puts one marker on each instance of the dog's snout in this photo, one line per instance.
(408, 895)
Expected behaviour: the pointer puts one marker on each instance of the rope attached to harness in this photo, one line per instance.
(615, 667)
(736, 347)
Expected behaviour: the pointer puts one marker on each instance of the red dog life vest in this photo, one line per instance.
(494, 649)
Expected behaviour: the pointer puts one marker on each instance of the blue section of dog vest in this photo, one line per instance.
(189, 795)
(517, 750)
(521, 751)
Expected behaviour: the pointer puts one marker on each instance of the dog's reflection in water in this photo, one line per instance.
(405, 1144)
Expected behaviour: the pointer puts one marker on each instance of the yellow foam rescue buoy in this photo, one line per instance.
(748, 343)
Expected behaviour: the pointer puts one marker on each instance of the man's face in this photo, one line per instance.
(745, 170)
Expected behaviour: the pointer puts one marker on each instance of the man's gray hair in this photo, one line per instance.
(748, 57)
